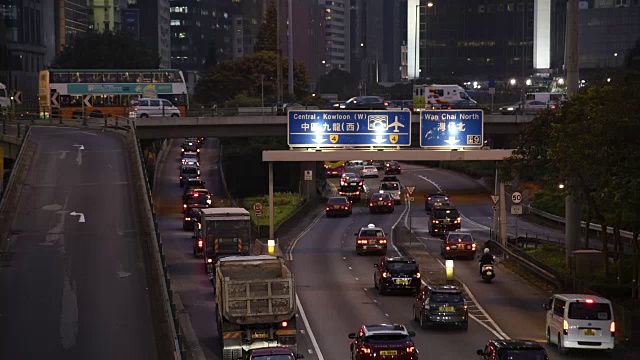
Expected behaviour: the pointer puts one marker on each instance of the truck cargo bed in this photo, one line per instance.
(255, 289)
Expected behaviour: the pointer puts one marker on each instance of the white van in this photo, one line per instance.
(548, 98)
(580, 321)
(436, 96)
(5, 102)
(147, 107)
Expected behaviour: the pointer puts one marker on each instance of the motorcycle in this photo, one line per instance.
(487, 273)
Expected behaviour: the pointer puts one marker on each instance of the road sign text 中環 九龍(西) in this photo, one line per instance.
(379, 128)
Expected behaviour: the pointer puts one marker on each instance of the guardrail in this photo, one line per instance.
(158, 259)
(592, 226)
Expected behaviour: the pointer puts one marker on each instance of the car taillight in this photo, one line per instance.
(180, 177)
(362, 241)
(418, 275)
(434, 221)
(209, 260)
(385, 274)
(473, 246)
(199, 243)
(357, 192)
(182, 150)
(284, 324)
(447, 248)
(411, 349)
(383, 241)
(365, 350)
(612, 327)
(389, 203)
(347, 206)
(187, 219)
(328, 208)
(371, 204)
(565, 327)
(428, 198)
(184, 206)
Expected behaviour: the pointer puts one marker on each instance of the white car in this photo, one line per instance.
(530, 107)
(148, 107)
(355, 164)
(580, 321)
(369, 171)
(394, 189)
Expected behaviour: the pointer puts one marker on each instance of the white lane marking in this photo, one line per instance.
(63, 154)
(431, 181)
(310, 351)
(79, 157)
(350, 268)
(497, 331)
(394, 225)
(81, 215)
(306, 324)
(387, 315)
(357, 279)
(303, 233)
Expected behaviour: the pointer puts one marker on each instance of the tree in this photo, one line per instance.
(244, 75)
(107, 50)
(588, 143)
(338, 82)
(267, 39)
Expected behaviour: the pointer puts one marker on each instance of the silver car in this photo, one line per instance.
(394, 189)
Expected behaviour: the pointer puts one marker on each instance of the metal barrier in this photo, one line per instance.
(160, 261)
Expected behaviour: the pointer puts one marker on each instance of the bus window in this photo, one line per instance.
(530, 97)
(110, 77)
(158, 77)
(124, 77)
(93, 77)
(171, 76)
(146, 77)
(76, 78)
(60, 78)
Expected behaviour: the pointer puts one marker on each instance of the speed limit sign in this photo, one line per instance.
(516, 197)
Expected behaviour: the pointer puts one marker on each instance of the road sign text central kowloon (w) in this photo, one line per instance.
(332, 128)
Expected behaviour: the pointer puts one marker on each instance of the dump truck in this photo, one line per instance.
(256, 304)
(224, 232)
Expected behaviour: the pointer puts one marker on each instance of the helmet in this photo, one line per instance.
(486, 251)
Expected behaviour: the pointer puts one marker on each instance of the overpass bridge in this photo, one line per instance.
(499, 130)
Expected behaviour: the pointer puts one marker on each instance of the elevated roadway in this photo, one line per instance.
(243, 126)
(73, 277)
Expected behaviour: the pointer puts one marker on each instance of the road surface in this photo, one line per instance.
(74, 283)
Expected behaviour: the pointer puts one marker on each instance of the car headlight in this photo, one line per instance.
(510, 108)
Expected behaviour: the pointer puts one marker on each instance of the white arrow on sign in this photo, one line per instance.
(87, 100)
(319, 139)
(17, 97)
(79, 156)
(78, 214)
(379, 139)
(54, 99)
(452, 140)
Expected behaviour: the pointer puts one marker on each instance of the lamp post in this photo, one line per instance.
(262, 88)
(416, 43)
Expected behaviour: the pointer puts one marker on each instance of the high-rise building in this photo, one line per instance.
(106, 15)
(71, 18)
(458, 37)
(155, 27)
(380, 32)
(192, 33)
(337, 34)
(23, 53)
(308, 37)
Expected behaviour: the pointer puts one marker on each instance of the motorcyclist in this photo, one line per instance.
(486, 259)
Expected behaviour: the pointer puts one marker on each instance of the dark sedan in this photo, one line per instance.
(381, 202)
(366, 103)
(338, 205)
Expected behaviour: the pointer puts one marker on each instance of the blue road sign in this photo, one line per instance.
(333, 128)
(451, 128)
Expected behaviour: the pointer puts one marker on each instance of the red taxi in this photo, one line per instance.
(371, 239)
(381, 202)
(458, 245)
(338, 205)
(384, 341)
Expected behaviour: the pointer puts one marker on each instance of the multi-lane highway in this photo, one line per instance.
(73, 279)
(335, 287)
(188, 276)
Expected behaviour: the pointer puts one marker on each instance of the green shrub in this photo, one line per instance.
(477, 169)
(550, 202)
(285, 204)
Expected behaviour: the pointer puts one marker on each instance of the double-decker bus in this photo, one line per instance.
(67, 93)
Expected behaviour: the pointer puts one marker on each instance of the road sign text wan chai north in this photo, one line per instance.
(451, 128)
(332, 128)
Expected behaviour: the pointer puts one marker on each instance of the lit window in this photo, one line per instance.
(175, 22)
(182, 35)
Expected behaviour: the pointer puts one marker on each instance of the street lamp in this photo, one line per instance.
(512, 82)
